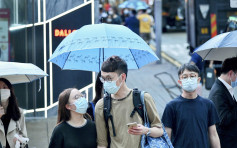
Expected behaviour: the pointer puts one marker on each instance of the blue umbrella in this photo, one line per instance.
(134, 4)
(89, 46)
(220, 47)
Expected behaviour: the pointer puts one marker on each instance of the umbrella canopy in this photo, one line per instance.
(89, 46)
(220, 47)
(20, 72)
(134, 4)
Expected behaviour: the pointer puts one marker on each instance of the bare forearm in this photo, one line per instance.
(215, 142)
(213, 136)
(101, 147)
(156, 132)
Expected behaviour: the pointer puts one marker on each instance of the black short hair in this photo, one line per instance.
(134, 12)
(115, 64)
(229, 64)
(189, 67)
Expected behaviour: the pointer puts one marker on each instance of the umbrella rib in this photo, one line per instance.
(28, 78)
(207, 54)
(134, 58)
(66, 59)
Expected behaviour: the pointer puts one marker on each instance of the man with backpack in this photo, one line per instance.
(121, 107)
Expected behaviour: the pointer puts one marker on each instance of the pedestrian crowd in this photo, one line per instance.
(123, 117)
(140, 21)
(114, 119)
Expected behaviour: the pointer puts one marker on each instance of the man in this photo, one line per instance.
(222, 96)
(190, 119)
(113, 76)
(145, 25)
(132, 22)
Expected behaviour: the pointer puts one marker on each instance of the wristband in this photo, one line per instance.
(149, 132)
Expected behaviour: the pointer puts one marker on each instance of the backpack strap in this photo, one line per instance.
(107, 115)
(138, 105)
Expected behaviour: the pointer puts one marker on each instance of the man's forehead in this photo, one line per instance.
(108, 74)
(186, 72)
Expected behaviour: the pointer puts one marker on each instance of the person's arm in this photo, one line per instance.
(213, 136)
(167, 119)
(56, 140)
(22, 123)
(153, 116)
(140, 130)
(226, 113)
(154, 119)
(168, 131)
(100, 125)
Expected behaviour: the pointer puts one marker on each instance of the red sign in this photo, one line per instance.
(62, 32)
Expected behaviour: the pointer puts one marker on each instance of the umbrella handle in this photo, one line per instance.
(39, 85)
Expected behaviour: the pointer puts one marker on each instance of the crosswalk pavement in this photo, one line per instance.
(178, 51)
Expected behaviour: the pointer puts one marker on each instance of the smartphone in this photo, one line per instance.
(130, 125)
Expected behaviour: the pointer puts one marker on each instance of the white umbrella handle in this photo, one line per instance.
(39, 85)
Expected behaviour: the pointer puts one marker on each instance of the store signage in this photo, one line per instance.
(62, 32)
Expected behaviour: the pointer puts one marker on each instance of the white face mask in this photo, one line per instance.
(5, 94)
(189, 84)
(111, 87)
(235, 93)
(233, 83)
(81, 105)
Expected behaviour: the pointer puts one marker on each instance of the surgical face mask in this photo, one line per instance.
(126, 11)
(235, 93)
(109, 20)
(111, 12)
(189, 84)
(111, 87)
(5, 94)
(81, 105)
(233, 84)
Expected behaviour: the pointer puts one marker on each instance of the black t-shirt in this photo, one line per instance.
(67, 136)
(189, 120)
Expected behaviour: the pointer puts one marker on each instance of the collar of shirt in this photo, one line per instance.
(230, 88)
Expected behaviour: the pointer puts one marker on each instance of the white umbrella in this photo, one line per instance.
(220, 47)
(20, 72)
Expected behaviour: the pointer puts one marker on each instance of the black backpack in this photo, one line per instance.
(138, 106)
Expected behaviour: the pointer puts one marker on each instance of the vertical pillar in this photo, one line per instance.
(158, 26)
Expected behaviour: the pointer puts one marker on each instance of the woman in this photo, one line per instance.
(99, 93)
(73, 129)
(12, 118)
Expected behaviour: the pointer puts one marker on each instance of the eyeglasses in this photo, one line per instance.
(191, 76)
(109, 79)
(80, 96)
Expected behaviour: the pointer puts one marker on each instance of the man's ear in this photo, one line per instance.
(199, 79)
(180, 83)
(124, 76)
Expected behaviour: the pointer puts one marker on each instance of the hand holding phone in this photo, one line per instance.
(131, 125)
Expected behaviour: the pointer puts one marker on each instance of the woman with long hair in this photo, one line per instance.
(12, 117)
(99, 93)
(74, 129)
